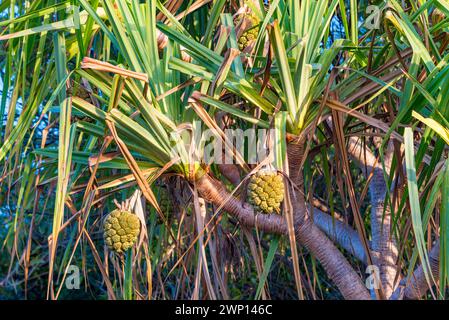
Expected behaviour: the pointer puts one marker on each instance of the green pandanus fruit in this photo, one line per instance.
(121, 229)
(251, 33)
(266, 191)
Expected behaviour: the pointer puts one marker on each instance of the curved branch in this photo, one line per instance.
(335, 264)
(215, 192)
(340, 233)
(417, 285)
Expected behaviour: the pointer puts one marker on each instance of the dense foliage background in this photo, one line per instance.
(357, 92)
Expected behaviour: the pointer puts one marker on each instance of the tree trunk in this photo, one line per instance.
(333, 261)
(308, 234)
(340, 233)
(383, 244)
(417, 286)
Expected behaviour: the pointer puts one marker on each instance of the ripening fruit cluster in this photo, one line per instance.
(250, 34)
(121, 229)
(266, 191)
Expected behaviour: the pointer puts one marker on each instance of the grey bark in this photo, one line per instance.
(384, 245)
(340, 233)
(417, 285)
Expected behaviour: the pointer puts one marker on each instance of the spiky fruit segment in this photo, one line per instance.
(266, 191)
(251, 33)
(121, 229)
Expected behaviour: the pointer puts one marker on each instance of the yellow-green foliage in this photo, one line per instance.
(251, 33)
(121, 229)
(266, 191)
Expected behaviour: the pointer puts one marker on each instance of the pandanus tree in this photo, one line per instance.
(290, 96)
(129, 87)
